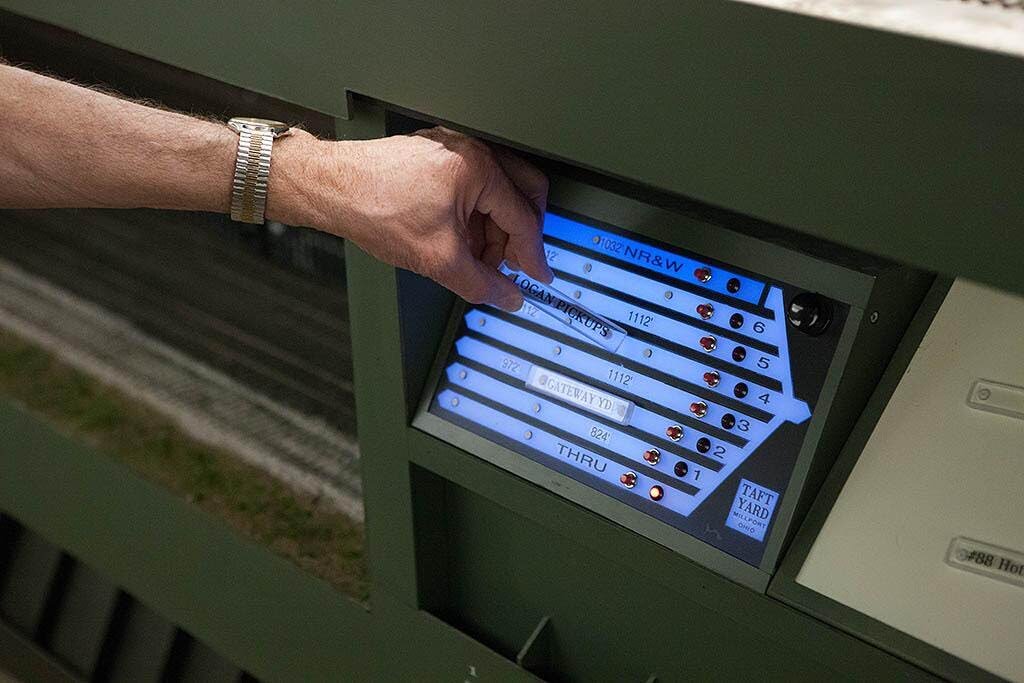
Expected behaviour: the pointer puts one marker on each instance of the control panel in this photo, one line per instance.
(677, 388)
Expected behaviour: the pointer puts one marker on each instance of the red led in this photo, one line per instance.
(738, 354)
(681, 468)
(736, 321)
(702, 274)
(699, 408)
(728, 420)
(733, 285)
(628, 479)
(657, 493)
(712, 378)
(652, 455)
(675, 432)
(705, 311)
(708, 343)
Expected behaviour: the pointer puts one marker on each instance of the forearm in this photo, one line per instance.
(62, 145)
(436, 202)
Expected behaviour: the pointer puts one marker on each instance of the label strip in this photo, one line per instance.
(986, 559)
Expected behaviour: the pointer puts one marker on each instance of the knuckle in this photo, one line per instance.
(478, 153)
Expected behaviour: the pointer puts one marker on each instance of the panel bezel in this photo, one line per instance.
(716, 242)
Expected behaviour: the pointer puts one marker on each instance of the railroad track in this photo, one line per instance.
(184, 279)
(241, 352)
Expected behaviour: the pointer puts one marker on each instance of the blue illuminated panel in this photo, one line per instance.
(648, 374)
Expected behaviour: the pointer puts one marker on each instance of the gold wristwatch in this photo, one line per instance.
(252, 166)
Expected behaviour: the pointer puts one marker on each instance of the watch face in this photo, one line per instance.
(276, 127)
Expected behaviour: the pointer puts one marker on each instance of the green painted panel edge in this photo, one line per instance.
(184, 564)
(25, 661)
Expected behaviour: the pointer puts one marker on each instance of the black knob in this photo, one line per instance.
(809, 313)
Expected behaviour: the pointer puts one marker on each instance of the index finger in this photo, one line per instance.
(527, 177)
(511, 211)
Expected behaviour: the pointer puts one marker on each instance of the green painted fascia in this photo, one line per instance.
(185, 564)
(896, 145)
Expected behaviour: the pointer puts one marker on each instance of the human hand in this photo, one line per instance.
(439, 203)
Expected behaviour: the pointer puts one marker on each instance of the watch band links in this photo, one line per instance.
(252, 171)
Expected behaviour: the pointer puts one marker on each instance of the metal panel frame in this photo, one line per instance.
(784, 585)
(721, 244)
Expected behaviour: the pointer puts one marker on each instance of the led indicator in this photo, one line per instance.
(652, 291)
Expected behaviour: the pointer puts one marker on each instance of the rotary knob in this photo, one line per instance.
(810, 313)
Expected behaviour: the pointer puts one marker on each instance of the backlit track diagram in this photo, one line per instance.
(699, 380)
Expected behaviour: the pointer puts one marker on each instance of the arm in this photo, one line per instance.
(438, 203)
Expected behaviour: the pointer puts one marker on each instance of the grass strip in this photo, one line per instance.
(294, 525)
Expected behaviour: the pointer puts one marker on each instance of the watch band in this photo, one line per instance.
(252, 171)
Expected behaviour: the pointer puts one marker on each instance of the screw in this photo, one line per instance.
(984, 394)
(874, 317)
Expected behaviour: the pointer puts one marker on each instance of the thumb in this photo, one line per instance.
(479, 283)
